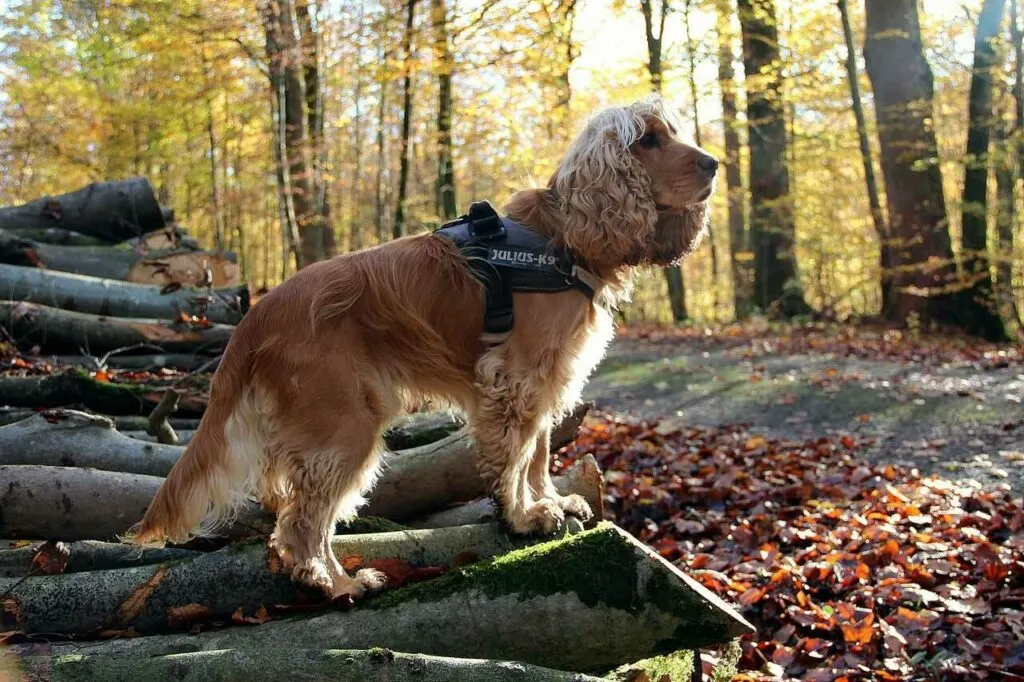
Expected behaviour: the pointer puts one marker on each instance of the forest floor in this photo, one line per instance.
(856, 493)
(948, 406)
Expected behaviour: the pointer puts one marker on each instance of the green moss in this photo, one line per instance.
(368, 524)
(674, 667)
(598, 565)
(704, 624)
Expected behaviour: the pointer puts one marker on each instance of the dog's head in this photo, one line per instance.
(630, 191)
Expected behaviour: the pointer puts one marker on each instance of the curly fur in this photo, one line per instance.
(316, 370)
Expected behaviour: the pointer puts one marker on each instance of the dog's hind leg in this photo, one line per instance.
(329, 478)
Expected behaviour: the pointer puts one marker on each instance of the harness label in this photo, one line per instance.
(521, 259)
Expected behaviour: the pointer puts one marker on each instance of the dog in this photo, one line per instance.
(323, 362)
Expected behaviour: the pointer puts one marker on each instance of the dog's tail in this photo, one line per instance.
(219, 466)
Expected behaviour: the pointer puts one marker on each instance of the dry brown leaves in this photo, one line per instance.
(850, 572)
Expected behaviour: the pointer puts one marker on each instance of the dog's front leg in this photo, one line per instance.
(506, 426)
(539, 478)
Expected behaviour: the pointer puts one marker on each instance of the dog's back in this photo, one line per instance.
(310, 360)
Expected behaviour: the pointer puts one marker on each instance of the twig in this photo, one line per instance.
(159, 426)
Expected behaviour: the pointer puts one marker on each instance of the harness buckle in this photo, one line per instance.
(484, 221)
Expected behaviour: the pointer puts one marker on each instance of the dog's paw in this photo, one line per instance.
(544, 517)
(314, 573)
(372, 579)
(575, 505)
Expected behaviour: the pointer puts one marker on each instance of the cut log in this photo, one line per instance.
(582, 478)
(88, 555)
(241, 576)
(589, 602)
(70, 438)
(168, 213)
(122, 299)
(171, 237)
(421, 428)
(185, 362)
(33, 324)
(75, 388)
(159, 267)
(288, 663)
(113, 211)
(55, 235)
(132, 423)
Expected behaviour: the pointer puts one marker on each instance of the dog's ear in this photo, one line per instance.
(604, 196)
(677, 235)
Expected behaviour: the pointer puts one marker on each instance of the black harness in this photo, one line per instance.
(507, 257)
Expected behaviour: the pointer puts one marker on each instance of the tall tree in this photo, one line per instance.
(742, 275)
(674, 273)
(980, 117)
(444, 194)
(285, 55)
(398, 227)
(877, 217)
(924, 282)
(1007, 173)
(772, 225)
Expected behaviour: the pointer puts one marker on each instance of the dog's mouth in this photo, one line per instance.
(679, 210)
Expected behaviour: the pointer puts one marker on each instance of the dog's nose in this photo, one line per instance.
(707, 164)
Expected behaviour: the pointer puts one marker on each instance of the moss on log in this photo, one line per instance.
(241, 576)
(589, 602)
(288, 663)
(100, 296)
(57, 330)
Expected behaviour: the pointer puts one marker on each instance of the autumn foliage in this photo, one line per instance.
(849, 571)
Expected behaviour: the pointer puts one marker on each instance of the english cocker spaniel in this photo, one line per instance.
(316, 370)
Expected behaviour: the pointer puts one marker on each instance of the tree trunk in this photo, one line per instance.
(975, 256)
(925, 282)
(544, 604)
(162, 267)
(111, 211)
(673, 273)
(109, 297)
(398, 228)
(777, 285)
(1012, 137)
(281, 663)
(877, 217)
(741, 256)
(61, 330)
(76, 388)
(82, 556)
(185, 362)
(445, 203)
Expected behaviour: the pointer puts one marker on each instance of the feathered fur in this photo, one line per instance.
(318, 367)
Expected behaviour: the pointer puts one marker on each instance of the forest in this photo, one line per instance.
(290, 131)
(802, 449)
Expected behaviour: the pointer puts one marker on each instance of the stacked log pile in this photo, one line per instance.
(82, 454)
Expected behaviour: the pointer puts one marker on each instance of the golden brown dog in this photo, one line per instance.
(317, 369)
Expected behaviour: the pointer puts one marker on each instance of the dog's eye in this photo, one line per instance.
(648, 140)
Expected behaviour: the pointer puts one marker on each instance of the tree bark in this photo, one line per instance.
(98, 296)
(777, 285)
(875, 204)
(56, 330)
(975, 256)
(398, 227)
(86, 555)
(281, 663)
(588, 602)
(741, 256)
(76, 388)
(925, 283)
(111, 211)
(163, 267)
(673, 273)
(445, 203)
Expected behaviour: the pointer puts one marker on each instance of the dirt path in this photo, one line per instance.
(950, 418)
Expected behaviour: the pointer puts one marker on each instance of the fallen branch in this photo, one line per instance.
(62, 330)
(588, 602)
(582, 478)
(76, 388)
(122, 299)
(242, 576)
(159, 427)
(113, 211)
(154, 266)
(86, 555)
(185, 362)
(287, 663)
